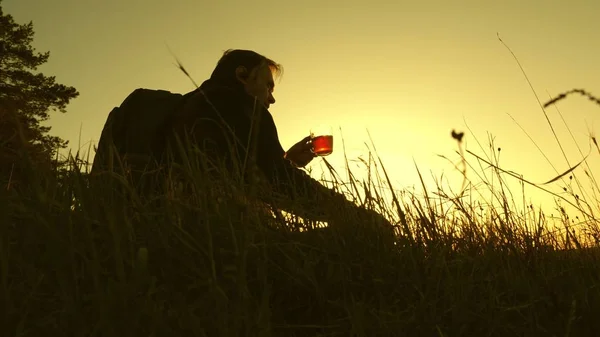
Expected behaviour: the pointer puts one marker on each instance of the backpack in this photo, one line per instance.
(136, 130)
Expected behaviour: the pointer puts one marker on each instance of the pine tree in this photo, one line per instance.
(26, 99)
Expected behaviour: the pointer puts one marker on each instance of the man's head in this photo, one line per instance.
(250, 70)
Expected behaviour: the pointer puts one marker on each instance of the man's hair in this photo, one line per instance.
(233, 58)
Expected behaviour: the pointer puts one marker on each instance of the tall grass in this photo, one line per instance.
(93, 257)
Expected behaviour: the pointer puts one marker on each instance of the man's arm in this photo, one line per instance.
(302, 195)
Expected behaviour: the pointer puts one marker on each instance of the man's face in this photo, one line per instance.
(260, 84)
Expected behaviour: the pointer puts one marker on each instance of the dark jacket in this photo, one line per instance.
(219, 120)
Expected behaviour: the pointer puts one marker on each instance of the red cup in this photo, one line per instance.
(322, 145)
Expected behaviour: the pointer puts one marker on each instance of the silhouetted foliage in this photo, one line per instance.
(26, 98)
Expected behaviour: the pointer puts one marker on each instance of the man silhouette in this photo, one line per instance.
(227, 118)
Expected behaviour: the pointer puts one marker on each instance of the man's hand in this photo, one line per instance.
(300, 154)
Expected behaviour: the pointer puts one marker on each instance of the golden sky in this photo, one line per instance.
(409, 72)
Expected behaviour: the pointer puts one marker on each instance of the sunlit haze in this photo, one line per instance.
(408, 72)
